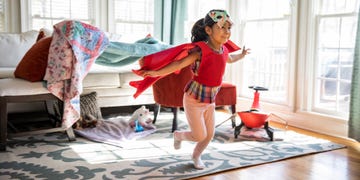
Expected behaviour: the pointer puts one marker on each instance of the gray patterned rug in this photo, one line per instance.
(51, 156)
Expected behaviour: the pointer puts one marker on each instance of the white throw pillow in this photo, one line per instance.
(14, 46)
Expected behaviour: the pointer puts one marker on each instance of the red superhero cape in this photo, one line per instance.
(163, 58)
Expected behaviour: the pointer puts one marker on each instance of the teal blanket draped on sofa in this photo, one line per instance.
(121, 53)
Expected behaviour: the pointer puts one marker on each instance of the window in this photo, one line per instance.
(133, 19)
(2, 15)
(335, 43)
(46, 13)
(267, 31)
(265, 27)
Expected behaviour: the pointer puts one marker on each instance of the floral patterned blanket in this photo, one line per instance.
(73, 50)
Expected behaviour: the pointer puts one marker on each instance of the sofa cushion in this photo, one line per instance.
(32, 67)
(14, 46)
(101, 80)
(112, 97)
(20, 87)
(127, 77)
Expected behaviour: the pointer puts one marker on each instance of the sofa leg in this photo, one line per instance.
(174, 124)
(70, 134)
(3, 123)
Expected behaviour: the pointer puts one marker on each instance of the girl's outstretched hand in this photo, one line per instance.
(236, 57)
(244, 51)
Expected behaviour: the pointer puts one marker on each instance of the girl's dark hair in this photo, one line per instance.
(198, 30)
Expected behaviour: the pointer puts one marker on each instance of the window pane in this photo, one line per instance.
(46, 13)
(263, 9)
(336, 6)
(330, 98)
(134, 19)
(198, 9)
(348, 31)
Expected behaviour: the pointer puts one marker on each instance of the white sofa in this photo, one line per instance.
(110, 83)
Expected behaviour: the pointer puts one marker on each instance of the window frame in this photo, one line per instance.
(298, 112)
(237, 76)
(317, 66)
(307, 70)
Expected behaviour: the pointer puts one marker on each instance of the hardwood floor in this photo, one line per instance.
(342, 164)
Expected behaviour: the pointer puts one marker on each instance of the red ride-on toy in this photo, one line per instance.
(254, 118)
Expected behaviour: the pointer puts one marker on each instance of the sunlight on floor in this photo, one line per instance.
(96, 153)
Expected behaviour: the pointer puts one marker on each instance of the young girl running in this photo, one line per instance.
(208, 58)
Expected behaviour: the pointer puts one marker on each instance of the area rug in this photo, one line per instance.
(52, 156)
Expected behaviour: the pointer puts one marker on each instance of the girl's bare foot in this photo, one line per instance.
(198, 164)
